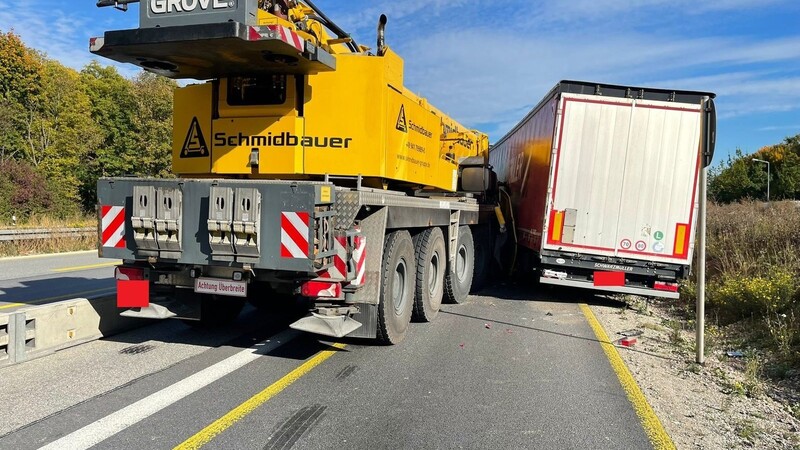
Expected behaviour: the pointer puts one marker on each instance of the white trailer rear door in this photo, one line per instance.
(625, 178)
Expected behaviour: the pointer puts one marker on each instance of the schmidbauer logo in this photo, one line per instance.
(170, 6)
(283, 139)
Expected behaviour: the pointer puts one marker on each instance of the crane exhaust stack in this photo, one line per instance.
(382, 35)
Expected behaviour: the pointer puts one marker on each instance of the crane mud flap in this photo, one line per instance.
(214, 50)
(336, 326)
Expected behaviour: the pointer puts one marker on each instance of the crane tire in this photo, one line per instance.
(398, 273)
(458, 278)
(431, 256)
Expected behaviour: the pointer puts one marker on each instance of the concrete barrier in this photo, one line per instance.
(35, 331)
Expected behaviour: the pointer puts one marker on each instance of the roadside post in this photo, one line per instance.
(709, 141)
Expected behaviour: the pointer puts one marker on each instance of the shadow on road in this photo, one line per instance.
(535, 291)
(46, 290)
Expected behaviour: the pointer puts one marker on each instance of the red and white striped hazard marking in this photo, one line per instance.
(294, 234)
(360, 258)
(283, 33)
(113, 226)
(339, 269)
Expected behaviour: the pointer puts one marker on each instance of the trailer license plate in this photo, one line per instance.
(220, 287)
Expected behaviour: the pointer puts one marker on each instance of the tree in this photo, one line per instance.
(153, 124)
(66, 133)
(21, 73)
(732, 181)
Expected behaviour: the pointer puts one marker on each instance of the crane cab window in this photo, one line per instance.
(252, 91)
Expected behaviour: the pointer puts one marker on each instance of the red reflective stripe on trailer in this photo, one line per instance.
(133, 293)
(609, 278)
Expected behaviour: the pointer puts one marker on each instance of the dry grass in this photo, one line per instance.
(753, 238)
(51, 245)
(753, 279)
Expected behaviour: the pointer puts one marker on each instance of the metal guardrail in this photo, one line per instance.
(44, 233)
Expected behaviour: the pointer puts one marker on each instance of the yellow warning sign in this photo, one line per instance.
(401, 120)
(195, 144)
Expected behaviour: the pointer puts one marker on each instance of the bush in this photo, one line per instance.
(23, 191)
(737, 297)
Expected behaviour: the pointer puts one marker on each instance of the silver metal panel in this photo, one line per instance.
(349, 203)
(143, 216)
(220, 223)
(570, 217)
(374, 230)
(169, 210)
(246, 224)
(616, 289)
(452, 237)
(165, 13)
(568, 235)
(368, 316)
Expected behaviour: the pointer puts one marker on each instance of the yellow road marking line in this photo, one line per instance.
(12, 305)
(90, 266)
(70, 296)
(650, 422)
(47, 255)
(208, 433)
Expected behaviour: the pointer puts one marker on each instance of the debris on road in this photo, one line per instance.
(735, 354)
(488, 326)
(631, 333)
(627, 342)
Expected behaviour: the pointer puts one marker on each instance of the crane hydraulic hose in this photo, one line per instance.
(333, 27)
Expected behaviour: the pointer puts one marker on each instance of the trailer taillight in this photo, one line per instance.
(133, 290)
(129, 273)
(661, 286)
(321, 289)
(681, 240)
(556, 226)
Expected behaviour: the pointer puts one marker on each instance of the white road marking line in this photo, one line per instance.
(114, 423)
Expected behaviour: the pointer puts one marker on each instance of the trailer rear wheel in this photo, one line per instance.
(431, 258)
(458, 279)
(397, 287)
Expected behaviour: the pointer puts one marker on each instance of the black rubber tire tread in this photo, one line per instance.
(483, 257)
(391, 327)
(456, 291)
(426, 244)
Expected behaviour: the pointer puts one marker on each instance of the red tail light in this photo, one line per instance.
(661, 286)
(128, 273)
(324, 289)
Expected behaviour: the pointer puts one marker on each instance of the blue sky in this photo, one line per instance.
(487, 63)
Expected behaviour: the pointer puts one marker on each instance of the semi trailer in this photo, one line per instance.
(600, 184)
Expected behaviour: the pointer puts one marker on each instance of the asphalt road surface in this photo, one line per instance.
(515, 368)
(41, 279)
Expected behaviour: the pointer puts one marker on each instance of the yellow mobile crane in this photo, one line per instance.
(304, 167)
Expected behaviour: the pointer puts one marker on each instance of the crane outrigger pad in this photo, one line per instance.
(217, 50)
